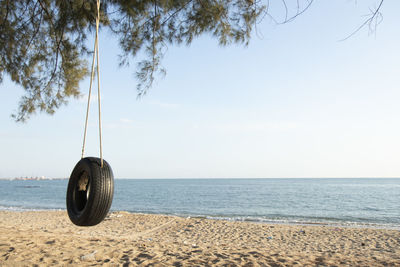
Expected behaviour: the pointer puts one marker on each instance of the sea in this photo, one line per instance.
(351, 202)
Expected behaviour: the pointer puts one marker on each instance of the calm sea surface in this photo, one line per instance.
(359, 202)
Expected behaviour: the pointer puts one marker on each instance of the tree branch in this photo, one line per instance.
(368, 22)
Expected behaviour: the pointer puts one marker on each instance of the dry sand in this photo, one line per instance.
(124, 239)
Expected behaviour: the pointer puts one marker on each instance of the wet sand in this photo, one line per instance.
(48, 238)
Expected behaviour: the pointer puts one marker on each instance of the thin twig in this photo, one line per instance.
(368, 21)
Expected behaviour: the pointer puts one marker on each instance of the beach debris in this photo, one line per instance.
(270, 237)
(194, 245)
(150, 239)
(114, 215)
(363, 244)
(89, 257)
(302, 232)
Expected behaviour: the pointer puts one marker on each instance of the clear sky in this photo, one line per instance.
(295, 103)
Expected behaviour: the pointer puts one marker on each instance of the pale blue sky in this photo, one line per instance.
(294, 103)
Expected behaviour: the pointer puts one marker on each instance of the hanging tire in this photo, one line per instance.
(90, 192)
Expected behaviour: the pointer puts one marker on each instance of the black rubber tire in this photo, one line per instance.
(89, 206)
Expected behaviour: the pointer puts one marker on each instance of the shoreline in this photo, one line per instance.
(338, 223)
(131, 239)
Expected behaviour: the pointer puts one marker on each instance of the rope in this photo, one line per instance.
(95, 57)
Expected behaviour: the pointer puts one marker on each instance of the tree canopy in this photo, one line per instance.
(43, 43)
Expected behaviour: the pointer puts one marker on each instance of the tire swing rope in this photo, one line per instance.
(95, 58)
(91, 184)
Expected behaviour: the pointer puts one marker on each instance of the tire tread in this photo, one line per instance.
(100, 195)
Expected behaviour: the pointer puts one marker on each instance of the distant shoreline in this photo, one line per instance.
(31, 179)
(216, 178)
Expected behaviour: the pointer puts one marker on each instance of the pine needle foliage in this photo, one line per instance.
(43, 43)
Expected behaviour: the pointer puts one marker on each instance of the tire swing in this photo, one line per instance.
(91, 185)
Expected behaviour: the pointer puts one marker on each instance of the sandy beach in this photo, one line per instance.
(46, 238)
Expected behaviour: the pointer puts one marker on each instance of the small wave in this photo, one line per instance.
(15, 208)
(22, 209)
(353, 222)
(371, 209)
(335, 223)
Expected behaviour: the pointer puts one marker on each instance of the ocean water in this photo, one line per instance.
(369, 202)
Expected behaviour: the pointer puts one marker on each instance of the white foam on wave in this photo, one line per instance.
(288, 221)
(22, 209)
